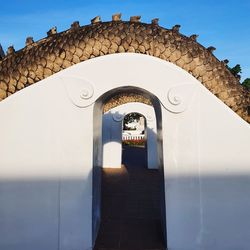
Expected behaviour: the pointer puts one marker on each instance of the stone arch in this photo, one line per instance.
(56, 52)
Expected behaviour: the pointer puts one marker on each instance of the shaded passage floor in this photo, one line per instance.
(130, 205)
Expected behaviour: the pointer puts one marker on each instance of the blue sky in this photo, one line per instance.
(224, 24)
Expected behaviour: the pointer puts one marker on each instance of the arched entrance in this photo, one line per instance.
(132, 194)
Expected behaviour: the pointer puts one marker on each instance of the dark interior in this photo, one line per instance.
(130, 207)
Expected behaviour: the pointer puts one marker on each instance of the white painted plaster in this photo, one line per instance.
(46, 162)
(112, 134)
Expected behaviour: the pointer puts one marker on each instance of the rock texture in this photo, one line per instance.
(58, 51)
(124, 98)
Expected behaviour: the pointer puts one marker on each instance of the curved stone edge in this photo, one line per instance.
(59, 51)
(120, 99)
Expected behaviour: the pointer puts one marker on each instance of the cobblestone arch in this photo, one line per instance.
(58, 51)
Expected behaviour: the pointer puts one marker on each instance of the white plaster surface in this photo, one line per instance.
(112, 134)
(46, 162)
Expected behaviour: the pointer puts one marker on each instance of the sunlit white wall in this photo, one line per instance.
(47, 146)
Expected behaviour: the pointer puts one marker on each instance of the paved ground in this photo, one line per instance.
(130, 205)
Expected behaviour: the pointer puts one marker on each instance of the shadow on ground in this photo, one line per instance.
(130, 205)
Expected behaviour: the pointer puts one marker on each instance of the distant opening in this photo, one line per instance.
(132, 214)
(134, 130)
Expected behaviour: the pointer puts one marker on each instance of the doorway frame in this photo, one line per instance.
(98, 153)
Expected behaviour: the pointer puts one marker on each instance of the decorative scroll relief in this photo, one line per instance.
(80, 91)
(149, 118)
(117, 117)
(178, 97)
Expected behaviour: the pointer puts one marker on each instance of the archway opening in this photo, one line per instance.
(131, 198)
(134, 140)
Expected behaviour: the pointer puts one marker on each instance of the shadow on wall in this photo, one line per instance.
(46, 213)
(34, 210)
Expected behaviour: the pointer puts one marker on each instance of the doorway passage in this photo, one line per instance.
(130, 210)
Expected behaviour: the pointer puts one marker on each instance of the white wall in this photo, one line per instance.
(46, 158)
(45, 173)
(207, 181)
(112, 134)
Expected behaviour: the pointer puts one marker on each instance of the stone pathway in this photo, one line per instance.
(130, 205)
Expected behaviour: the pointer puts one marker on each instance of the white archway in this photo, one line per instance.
(112, 129)
(48, 133)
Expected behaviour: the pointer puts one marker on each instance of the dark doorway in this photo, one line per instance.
(131, 216)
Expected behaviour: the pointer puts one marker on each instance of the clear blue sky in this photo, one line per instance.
(224, 24)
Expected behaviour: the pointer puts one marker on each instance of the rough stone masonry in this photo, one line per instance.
(58, 51)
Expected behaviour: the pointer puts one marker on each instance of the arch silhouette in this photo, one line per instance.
(56, 52)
